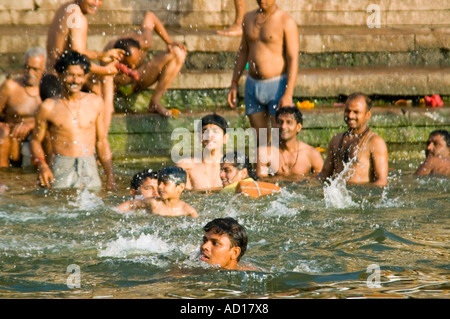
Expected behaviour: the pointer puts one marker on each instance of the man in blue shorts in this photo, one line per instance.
(270, 46)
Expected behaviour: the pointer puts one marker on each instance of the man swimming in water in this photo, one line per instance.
(19, 102)
(204, 173)
(292, 158)
(361, 153)
(224, 244)
(143, 185)
(437, 153)
(77, 131)
(270, 46)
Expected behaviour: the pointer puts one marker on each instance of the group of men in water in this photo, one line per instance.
(63, 104)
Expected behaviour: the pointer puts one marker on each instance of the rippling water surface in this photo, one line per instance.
(309, 241)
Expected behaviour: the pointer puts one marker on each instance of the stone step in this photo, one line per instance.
(143, 134)
(219, 13)
(312, 39)
(333, 82)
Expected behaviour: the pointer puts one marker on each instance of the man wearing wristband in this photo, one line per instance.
(76, 127)
(270, 46)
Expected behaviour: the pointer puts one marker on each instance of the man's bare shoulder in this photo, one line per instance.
(10, 85)
(376, 141)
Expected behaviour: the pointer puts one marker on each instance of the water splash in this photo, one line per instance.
(86, 200)
(144, 244)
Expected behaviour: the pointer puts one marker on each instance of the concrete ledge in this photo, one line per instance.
(144, 135)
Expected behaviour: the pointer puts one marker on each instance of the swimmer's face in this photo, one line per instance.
(73, 78)
(230, 174)
(217, 250)
(34, 68)
(356, 114)
(132, 60)
(90, 6)
(169, 190)
(289, 128)
(149, 188)
(436, 146)
(212, 137)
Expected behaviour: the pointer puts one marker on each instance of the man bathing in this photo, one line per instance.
(161, 69)
(270, 46)
(19, 102)
(359, 151)
(437, 153)
(292, 157)
(77, 130)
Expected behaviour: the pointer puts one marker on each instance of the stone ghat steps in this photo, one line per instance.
(333, 82)
(219, 13)
(134, 135)
(313, 39)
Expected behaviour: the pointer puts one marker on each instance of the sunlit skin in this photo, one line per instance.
(293, 158)
(371, 165)
(204, 173)
(230, 174)
(437, 160)
(217, 250)
(270, 45)
(76, 126)
(19, 101)
(148, 189)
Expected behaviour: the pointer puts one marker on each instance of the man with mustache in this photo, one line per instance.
(438, 155)
(69, 31)
(359, 154)
(77, 131)
(292, 157)
(19, 101)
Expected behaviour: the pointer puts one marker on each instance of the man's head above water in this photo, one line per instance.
(224, 243)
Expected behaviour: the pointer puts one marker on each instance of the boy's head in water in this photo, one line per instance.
(144, 184)
(235, 167)
(171, 182)
(224, 243)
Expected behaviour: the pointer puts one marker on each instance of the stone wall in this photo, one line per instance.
(216, 13)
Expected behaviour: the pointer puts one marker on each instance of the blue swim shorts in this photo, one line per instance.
(263, 95)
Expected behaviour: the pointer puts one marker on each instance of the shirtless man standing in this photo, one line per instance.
(76, 126)
(438, 155)
(292, 158)
(69, 31)
(361, 153)
(19, 101)
(162, 68)
(204, 173)
(270, 46)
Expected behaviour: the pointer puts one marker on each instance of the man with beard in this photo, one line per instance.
(359, 154)
(292, 158)
(19, 101)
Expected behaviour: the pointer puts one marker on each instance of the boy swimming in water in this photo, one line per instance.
(171, 183)
(143, 185)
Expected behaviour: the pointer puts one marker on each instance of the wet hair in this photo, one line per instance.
(240, 161)
(174, 174)
(444, 134)
(230, 227)
(293, 110)
(140, 177)
(357, 95)
(49, 87)
(34, 52)
(216, 120)
(126, 45)
(70, 57)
